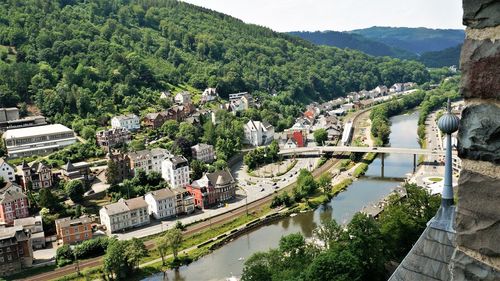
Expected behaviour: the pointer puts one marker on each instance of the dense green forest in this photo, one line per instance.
(355, 42)
(416, 40)
(446, 57)
(99, 57)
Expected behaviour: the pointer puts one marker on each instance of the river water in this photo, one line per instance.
(228, 260)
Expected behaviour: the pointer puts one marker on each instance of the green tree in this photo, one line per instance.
(325, 182)
(306, 185)
(170, 128)
(336, 265)
(320, 136)
(115, 263)
(174, 240)
(112, 173)
(135, 251)
(74, 190)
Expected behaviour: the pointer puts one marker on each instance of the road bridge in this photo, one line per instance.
(319, 150)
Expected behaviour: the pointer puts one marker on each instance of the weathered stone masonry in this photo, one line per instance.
(477, 220)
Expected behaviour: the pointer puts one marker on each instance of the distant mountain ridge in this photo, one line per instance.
(433, 47)
(355, 42)
(417, 40)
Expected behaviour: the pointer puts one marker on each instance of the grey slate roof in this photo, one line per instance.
(431, 254)
(220, 177)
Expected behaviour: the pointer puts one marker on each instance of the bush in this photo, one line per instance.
(64, 255)
(92, 248)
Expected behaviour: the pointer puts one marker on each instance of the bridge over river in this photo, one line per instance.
(319, 150)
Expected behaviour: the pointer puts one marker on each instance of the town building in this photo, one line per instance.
(184, 201)
(76, 171)
(295, 139)
(381, 90)
(7, 172)
(37, 140)
(9, 119)
(210, 94)
(13, 203)
(16, 251)
(258, 133)
(203, 152)
(175, 171)
(165, 95)
(130, 122)
(37, 174)
(161, 203)
(111, 138)
(124, 214)
(213, 189)
(154, 120)
(122, 165)
(396, 88)
(240, 102)
(9, 114)
(183, 98)
(148, 160)
(71, 231)
(35, 225)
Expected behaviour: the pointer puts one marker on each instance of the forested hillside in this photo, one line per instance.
(99, 57)
(416, 40)
(355, 42)
(446, 57)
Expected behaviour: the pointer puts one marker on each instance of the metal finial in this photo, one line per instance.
(449, 106)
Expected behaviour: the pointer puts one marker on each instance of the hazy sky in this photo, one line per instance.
(340, 15)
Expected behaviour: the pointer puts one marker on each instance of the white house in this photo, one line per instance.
(258, 133)
(382, 90)
(203, 152)
(396, 88)
(209, 94)
(183, 98)
(6, 171)
(175, 171)
(124, 214)
(148, 160)
(130, 122)
(161, 203)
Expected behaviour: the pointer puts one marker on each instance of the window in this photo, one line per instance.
(1, 259)
(9, 257)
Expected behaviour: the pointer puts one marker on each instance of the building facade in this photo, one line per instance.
(71, 231)
(184, 201)
(124, 214)
(111, 138)
(16, 251)
(213, 189)
(148, 160)
(35, 225)
(13, 204)
(130, 122)
(161, 203)
(154, 120)
(175, 171)
(37, 174)
(203, 152)
(39, 140)
(76, 171)
(7, 172)
(258, 133)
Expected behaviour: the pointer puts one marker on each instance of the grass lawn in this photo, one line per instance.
(436, 179)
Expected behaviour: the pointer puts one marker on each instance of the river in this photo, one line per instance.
(229, 259)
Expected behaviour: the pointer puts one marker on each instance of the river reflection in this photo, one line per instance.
(226, 261)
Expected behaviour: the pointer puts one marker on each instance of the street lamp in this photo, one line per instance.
(77, 266)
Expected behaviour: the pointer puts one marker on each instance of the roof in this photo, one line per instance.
(126, 116)
(431, 254)
(161, 194)
(220, 177)
(148, 153)
(11, 195)
(68, 221)
(28, 221)
(176, 160)
(10, 186)
(2, 161)
(135, 203)
(116, 208)
(37, 130)
(201, 146)
(12, 232)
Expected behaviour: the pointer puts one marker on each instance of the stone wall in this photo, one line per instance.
(477, 224)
